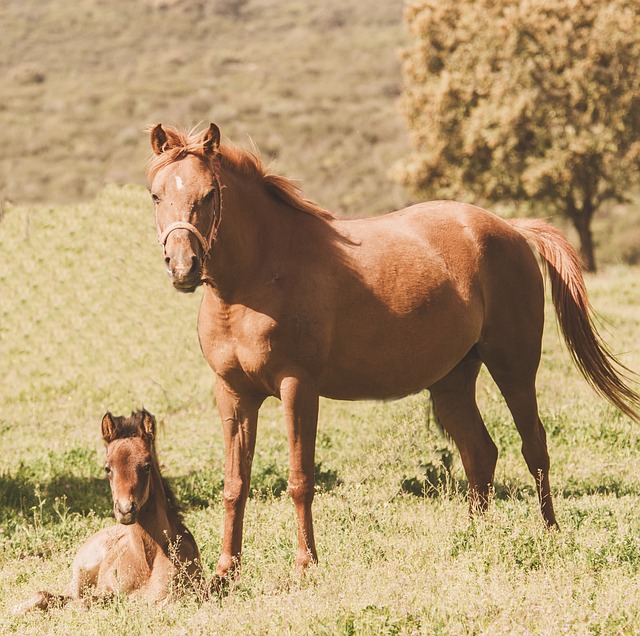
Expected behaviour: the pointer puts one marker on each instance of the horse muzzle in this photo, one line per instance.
(182, 259)
(185, 278)
(126, 512)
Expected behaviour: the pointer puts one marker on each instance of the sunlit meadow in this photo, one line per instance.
(89, 322)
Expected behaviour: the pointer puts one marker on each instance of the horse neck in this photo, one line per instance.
(253, 228)
(156, 518)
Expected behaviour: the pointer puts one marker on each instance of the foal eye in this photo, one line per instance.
(156, 198)
(107, 469)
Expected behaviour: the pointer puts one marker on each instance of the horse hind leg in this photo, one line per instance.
(455, 406)
(513, 367)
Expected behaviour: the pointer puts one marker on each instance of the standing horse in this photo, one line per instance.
(299, 304)
(149, 548)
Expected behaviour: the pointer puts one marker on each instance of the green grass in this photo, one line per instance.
(89, 322)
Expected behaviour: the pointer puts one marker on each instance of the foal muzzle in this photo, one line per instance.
(126, 512)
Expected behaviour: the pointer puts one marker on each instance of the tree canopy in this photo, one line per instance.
(528, 101)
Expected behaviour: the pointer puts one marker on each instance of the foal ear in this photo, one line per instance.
(148, 424)
(108, 427)
(158, 139)
(211, 140)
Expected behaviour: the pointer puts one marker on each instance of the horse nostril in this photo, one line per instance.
(194, 264)
(126, 507)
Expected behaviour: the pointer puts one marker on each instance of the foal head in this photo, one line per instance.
(186, 195)
(131, 461)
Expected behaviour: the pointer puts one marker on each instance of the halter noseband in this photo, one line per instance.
(184, 225)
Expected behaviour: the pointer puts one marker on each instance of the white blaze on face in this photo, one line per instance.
(179, 183)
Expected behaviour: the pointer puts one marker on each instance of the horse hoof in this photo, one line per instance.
(40, 601)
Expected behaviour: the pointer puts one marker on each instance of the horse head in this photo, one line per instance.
(130, 462)
(186, 195)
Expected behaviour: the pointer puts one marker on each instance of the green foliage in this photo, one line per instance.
(525, 100)
(434, 478)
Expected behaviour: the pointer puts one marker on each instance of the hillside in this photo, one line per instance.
(313, 83)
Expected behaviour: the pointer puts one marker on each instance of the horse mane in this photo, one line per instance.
(175, 508)
(182, 142)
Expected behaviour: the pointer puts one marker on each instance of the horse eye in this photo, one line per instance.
(107, 469)
(156, 198)
(146, 468)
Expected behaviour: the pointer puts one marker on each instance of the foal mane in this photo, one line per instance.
(182, 142)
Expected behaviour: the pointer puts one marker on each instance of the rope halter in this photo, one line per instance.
(205, 240)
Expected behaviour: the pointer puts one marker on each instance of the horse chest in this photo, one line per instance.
(237, 340)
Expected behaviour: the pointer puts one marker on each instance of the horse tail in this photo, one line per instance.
(609, 377)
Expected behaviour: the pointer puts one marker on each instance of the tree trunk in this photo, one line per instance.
(581, 218)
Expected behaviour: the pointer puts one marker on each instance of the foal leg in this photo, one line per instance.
(300, 402)
(239, 416)
(454, 398)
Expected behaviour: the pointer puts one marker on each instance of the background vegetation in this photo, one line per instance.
(89, 322)
(529, 103)
(315, 84)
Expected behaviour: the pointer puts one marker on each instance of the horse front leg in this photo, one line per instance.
(300, 402)
(239, 414)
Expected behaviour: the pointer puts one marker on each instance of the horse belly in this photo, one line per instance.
(393, 357)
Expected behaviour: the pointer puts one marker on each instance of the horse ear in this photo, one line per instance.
(211, 140)
(158, 139)
(108, 428)
(148, 424)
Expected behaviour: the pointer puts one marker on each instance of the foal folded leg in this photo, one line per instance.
(454, 398)
(85, 568)
(239, 414)
(300, 402)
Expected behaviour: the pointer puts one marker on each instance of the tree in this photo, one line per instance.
(535, 102)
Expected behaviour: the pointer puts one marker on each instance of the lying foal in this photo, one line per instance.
(149, 549)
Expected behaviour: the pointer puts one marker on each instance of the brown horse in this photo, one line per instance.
(149, 549)
(299, 304)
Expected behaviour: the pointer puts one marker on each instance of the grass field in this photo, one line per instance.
(89, 322)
